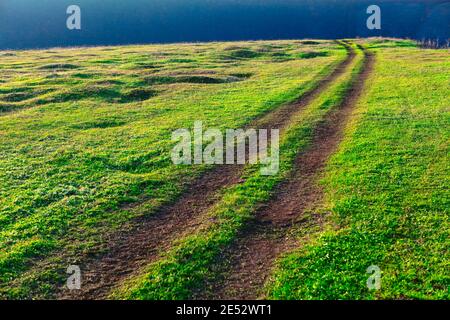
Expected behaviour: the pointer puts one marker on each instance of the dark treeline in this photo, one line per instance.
(37, 24)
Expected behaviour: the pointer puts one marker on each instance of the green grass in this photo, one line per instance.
(186, 267)
(86, 131)
(387, 191)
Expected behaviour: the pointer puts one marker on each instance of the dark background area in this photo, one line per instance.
(42, 23)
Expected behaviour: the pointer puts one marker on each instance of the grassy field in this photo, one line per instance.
(85, 151)
(175, 276)
(386, 189)
(85, 132)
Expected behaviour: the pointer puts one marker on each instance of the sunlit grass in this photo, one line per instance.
(387, 191)
(85, 131)
(189, 264)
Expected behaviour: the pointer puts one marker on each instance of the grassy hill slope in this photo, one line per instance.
(87, 131)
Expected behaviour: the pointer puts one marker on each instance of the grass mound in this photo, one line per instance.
(135, 95)
(194, 79)
(59, 66)
(313, 54)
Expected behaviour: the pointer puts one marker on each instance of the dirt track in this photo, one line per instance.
(131, 250)
(250, 260)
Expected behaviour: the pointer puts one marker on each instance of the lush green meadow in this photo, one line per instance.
(184, 269)
(86, 131)
(86, 149)
(387, 190)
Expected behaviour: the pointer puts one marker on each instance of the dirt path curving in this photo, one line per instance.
(250, 260)
(130, 251)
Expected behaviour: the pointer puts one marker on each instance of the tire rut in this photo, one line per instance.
(246, 266)
(129, 251)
